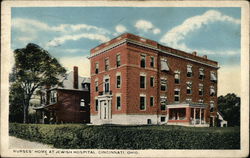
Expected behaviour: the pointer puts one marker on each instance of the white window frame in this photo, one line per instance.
(97, 67)
(106, 64)
(211, 76)
(201, 73)
(104, 83)
(164, 61)
(145, 80)
(165, 84)
(189, 86)
(153, 101)
(118, 74)
(201, 88)
(82, 102)
(178, 74)
(118, 59)
(118, 95)
(165, 98)
(145, 62)
(152, 60)
(191, 72)
(53, 96)
(177, 95)
(212, 91)
(145, 102)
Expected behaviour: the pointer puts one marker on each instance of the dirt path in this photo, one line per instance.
(17, 143)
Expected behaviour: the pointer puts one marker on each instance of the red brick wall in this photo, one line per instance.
(130, 69)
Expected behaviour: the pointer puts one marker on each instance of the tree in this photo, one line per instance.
(34, 67)
(229, 106)
(16, 106)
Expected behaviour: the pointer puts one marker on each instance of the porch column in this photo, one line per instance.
(200, 115)
(204, 115)
(188, 114)
(99, 108)
(110, 108)
(42, 117)
(194, 116)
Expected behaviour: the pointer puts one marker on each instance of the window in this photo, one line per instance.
(82, 103)
(152, 81)
(151, 101)
(106, 85)
(53, 97)
(189, 71)
(96, 68)
(149, 121)
(163, 119)
(118, 102)
(96, 86)
(43, 98)
(118, 81)
(177, 78)
(143, 61)
(142, 103)
(201, 101)
(201, 90)
(163, 102)
(188, 100)
(164, 65)
(96, 104)
(152, 61)
(213, 77)
(177, 95)
(211, 106)
(142, 81)
(212, 91)
(201, 74)
(189, 87)
(163, 84)
(106, 64)
(118, 60)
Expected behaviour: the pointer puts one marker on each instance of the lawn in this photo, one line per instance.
(78, 136)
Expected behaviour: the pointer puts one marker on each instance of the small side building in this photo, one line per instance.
(66, 104)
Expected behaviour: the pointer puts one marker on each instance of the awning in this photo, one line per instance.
(189, 69)
(212, 90)
(164, 65)
(213, 77)
(201, 73)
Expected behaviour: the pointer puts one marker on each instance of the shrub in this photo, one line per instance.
(73, 136)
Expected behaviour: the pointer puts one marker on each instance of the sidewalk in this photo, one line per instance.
(17, 143)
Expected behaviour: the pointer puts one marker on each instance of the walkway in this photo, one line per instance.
(17, 143)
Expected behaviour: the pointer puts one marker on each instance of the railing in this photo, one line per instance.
(105, 93)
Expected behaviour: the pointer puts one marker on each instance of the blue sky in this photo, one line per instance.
(68, 33)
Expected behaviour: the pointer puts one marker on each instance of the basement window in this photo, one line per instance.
(163, 119)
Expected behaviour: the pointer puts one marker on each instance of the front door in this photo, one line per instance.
(105, 112)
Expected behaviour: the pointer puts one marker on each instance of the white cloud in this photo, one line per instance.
(60, 40)
(175, 37)
(120, 28)
(83, 64)
(30, 25)
(229, 79)
(73, 50)
(146, 26)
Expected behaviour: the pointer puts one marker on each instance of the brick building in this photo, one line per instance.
(139, 81)
(66, 104)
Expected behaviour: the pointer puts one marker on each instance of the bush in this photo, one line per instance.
(73, 136)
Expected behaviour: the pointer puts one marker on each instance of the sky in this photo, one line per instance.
(68, 33)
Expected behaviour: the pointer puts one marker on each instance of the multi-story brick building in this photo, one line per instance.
(139, 81)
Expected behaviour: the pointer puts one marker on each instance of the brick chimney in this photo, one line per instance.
(194, 53)
(75, 78)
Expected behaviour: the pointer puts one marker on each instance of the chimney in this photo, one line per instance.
(194, 53)
(205, 56)
(75, 78)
